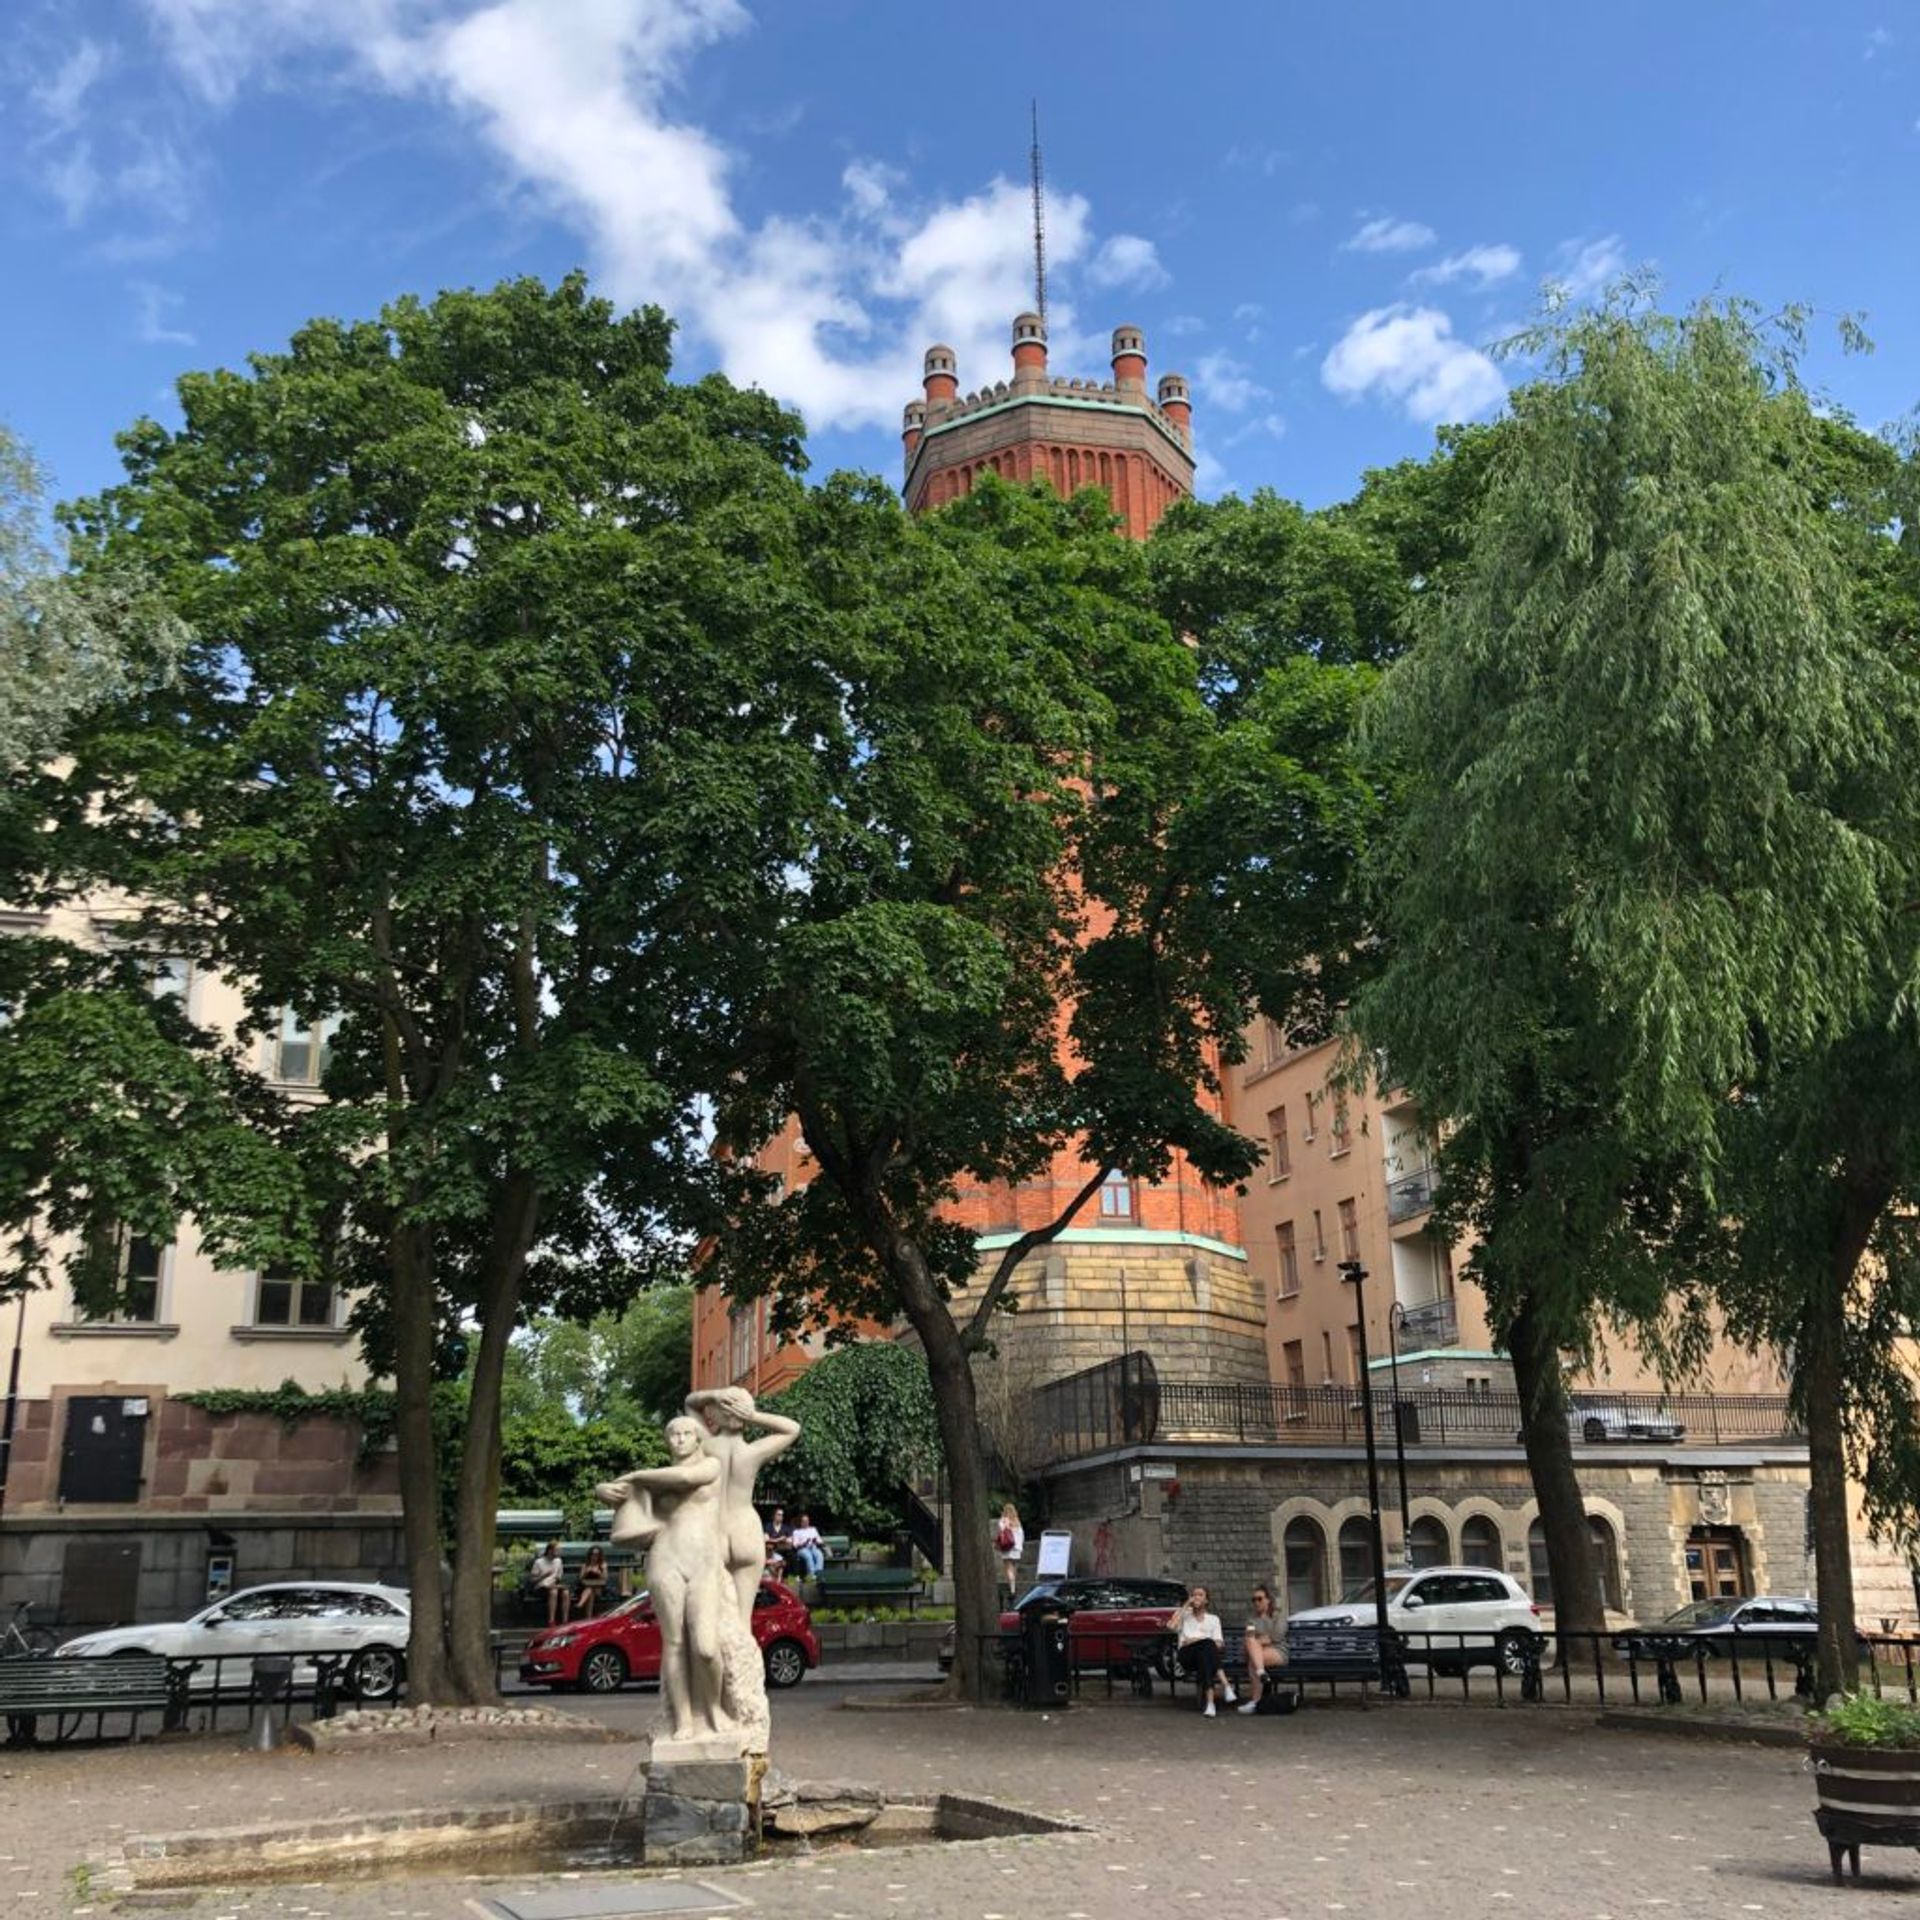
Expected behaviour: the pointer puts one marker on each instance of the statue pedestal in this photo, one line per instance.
(703, 1803)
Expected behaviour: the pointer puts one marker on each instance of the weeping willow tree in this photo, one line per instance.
(1637, 857)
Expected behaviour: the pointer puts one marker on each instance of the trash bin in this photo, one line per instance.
(1043, 1633)
(272, 1687)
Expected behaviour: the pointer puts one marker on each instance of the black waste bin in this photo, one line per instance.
(1049, 1663)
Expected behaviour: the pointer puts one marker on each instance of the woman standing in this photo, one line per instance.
(727, 1412)
(1265, 1645)
(1009, 1542)
(1200, 1640)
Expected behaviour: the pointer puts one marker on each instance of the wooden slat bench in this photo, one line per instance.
(855, 1585)
(64, 1690)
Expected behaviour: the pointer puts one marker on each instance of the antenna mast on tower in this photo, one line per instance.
(1039, 224)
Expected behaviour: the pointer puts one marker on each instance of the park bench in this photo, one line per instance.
(69, 1690)
(850, 1585)
(1325, 1650)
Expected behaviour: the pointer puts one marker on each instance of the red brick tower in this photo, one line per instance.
(1076, 433)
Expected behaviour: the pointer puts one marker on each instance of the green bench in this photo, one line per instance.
(845, 1586)
(69, 1690)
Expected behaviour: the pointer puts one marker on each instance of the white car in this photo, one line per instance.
(304, 1617)
(1491, 1614)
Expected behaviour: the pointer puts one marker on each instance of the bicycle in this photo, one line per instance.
(21, 1637)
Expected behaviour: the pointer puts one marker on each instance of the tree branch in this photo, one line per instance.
(975, 1335)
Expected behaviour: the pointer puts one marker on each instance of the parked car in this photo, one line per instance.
(1756, 1624)
(1490, 1609)
(601, 1655)
(295, 1617)
(1597, 1418)
(1109, 1616)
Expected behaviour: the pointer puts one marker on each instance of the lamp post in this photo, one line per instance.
(1396, 1319)
(13, 1396)
(1356, 1274)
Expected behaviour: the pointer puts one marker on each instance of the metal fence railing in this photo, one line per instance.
(1125, 1402)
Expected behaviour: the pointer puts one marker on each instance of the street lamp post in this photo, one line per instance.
(1396, 1319)
(1356, 1274)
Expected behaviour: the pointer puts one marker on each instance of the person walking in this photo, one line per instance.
(1264, 1641)
(592, 1583)
(547, 1575)
(1009, 1542)
(1199, 1642)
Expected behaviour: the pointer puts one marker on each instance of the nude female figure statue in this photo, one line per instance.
(674, 1511)
(727, 1412)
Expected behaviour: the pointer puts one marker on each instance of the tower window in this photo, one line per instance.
(1116, 1197)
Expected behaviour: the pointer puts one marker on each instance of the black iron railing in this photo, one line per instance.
(1412, 1193)
(1434, 1323)
(1125, 1402)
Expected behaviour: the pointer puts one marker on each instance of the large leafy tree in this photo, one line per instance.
(486, 723)
(1630, 864)
(1033, 912)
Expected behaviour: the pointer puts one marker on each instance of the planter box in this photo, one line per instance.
(1869, 1783)
(880, 1639)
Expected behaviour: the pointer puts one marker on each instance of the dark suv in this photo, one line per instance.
(1110, 1617)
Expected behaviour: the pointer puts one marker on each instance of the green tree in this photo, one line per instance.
(1628, 864)
(1026, 825)
(488, 718)
(636, 1364)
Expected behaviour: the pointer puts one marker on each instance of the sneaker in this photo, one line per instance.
(1209, 1712)
(1228, 1696)
(1249, 1706)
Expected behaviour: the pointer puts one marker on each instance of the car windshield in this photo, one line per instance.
(1702, 1613)
(1049, 1590)
(1396, 1583)
(634, 1605)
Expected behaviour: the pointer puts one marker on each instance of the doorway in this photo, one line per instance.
(1716, 1564)
(105, 1449)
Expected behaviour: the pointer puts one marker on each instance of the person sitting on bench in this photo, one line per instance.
(1200, 1642)
(807, 1549)
(1265, 1643)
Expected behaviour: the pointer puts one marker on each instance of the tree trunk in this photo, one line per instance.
(976, 1604)
(428, 1676)
(477, 1492)
(1821, 1383)
(1563, 1513)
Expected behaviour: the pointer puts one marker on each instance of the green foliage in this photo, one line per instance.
(636, 1364)
(867, 1428)
(550, 1459)
(370, 1409)
(1869, 1720)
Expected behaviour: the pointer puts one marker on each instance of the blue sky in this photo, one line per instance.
(1323, 215)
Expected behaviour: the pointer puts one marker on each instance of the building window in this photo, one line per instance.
(1480, 1542)
(1270, 1045)
(1289, 1260)
(169, 976)
(1294, 1358)
(1313, 1114)
(288, 1299)
(1606, 1563)
(1116, 1197)
(1353, 1352)
(1326, 1357)
(1319, 1236)
(1304, 1548)
(740, 1342)
(1356, 1557)
(1342, 1128)
(1427, 1542)
(1279, 1152)
(302, 1048)
(139, 1266)
(1349, 1230)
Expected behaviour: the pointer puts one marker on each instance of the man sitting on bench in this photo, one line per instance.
(810, 1555)
(1199, 1644)
(1265, 1644)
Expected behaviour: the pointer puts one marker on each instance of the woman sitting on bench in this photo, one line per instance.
(1200, 1643)
(1265, 1647)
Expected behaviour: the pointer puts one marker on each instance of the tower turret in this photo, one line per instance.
(1176, 402)
(1129, 360)
(1029, 349)
(942, 377)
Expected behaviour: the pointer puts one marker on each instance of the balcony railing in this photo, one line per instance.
(1412, 1193)
(1436, 1323)
(1127, 1404)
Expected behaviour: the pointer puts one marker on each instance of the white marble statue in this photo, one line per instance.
(727, 1412)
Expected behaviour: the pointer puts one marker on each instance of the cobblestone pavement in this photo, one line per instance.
(1443, 1811)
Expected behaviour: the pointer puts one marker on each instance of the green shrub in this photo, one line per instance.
(1866, 1720)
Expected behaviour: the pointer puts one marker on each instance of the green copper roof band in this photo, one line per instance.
(1113, 1237)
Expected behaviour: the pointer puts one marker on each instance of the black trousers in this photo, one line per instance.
(1201, 1658)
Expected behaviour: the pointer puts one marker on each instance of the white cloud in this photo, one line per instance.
(1586, 267)
(1410, 355)
(1226, 383)
(1183, 323)
(150, 324)
(831, 311)
(61, 95)
(1878, 41)
(1485, 265)
(1387, 235)
(1127, 260)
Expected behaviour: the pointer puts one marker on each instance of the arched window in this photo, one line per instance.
(1116, 1197)
(1427, 1542)
(1305, 1548)
(1606, 1563)
(1356, 1556)
(1480, 1542)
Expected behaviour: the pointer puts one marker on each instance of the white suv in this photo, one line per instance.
(1453, 1617)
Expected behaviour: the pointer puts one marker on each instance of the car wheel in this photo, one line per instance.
(375, 1673)
(1594, 1430)
(1510, 1649)
(786, 1663)
(604, 1670)
(41, 1641)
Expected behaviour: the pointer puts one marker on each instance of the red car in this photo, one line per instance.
(1110, 1618)
(601, 1655)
